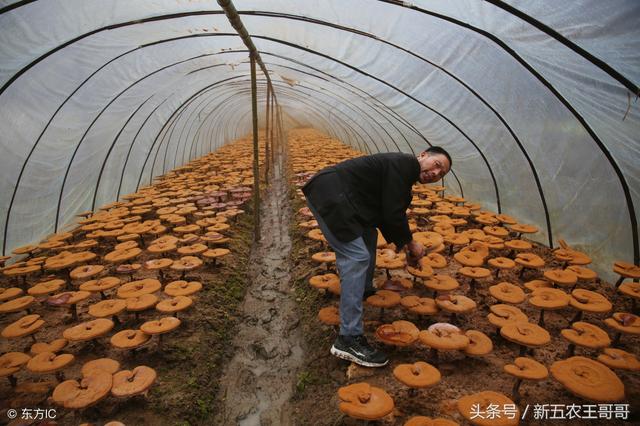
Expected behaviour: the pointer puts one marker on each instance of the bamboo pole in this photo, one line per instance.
(256, 152)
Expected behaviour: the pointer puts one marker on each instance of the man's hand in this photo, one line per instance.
(415, 252)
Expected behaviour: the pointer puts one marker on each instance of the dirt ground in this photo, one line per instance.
(316, 400)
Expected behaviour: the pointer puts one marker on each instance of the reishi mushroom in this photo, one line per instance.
(363, 401)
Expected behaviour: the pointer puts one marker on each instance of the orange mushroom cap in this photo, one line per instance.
(436, 260)
(329, 315)
(479, 343)
(16, 305)
(398, 333)
(363, 401)
(588, 379)
(384, 299)
(91, 389)
(138, 288)
(529, 260)
(549, 298)
(107, 308)
(525, 333)
(175, 304)
(626, 269)
(102, 364)
(428, 421)
(85, 271)
(527, 368)
(617, 358)
(129, 339)
(420, 305)
(161, 326)
(444, 336)
(585, 334)
(441, 282)
(46, 287)
(9, 293)
(48, 362)
(507, 292)
(323, 281)
(417, 375)
(589, 301)
(88, 330)
(456, 303)
(142, 302)
(624, 322)
(134, 382)
(502, 315)
(12, 362)
(54, 346)
(182, 288)
(25, 326)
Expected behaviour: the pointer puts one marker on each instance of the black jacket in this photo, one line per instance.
(364, 192)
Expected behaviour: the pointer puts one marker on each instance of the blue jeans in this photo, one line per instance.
(356, 261)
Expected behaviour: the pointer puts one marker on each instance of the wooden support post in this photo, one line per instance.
(256, 152)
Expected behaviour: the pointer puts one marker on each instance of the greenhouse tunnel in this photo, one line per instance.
(537, 108)
(537, 102)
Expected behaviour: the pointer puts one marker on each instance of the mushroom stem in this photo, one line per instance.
(60, 376)
(571, 350)
(616, 340)
(388, 274)
(74, 312)
(472, 287)
(433, 353)
(515, 394)
(161, 274)
(521, 272)
(137, 315)
(497, 272)
(102, 296)
(116, 320)
(577, 317)
(33, 337)
(541, 319)
(12, 380)
(523, 350)
(619, 281)
(381, 313)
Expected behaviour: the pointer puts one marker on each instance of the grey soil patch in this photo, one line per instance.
(258, 382)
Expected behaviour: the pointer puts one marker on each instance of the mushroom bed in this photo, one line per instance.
(146, 287)
(462, 375)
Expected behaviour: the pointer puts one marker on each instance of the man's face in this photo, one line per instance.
(432, 167)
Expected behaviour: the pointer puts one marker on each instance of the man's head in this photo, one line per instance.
(435, 162)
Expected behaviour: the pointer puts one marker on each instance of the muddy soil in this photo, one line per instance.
(258, 381)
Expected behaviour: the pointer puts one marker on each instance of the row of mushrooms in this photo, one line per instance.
(477, 261)
(130, 258)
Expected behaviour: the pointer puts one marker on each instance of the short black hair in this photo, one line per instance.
(440, 150)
